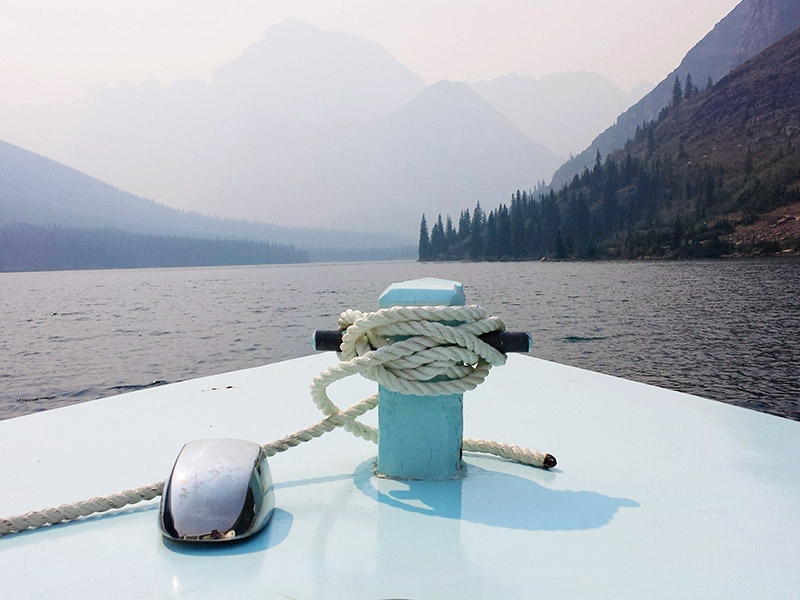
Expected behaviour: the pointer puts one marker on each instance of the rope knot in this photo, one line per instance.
(438, 353)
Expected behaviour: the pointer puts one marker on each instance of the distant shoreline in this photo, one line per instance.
(778, 256)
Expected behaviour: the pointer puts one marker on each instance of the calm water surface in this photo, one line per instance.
(726, 330)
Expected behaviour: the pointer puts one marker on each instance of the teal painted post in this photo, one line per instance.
(420, 436)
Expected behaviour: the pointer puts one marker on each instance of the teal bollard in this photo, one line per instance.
(420, 436)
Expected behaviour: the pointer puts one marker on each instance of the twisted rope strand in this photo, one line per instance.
(70, 512)
(433, 349)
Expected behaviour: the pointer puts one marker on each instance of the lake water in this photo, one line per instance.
(726, 330)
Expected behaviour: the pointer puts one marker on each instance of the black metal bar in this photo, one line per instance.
(504, 341)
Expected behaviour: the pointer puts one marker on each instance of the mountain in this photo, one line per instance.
(307, 128)
(43, 192)
(322, 78)
(750, 27)
(717, 173)
(755, 109)
(142, 138)
(639, 91)
(161, 143)
(446, 146)
(563, 112)
(735, 151)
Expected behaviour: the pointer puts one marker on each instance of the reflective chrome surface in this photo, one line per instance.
(219, 490)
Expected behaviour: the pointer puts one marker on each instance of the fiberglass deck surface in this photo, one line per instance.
(656, 495)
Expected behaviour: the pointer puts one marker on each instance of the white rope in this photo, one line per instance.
(443, 342)
(435, 349)
(84, 508)
(70, 512)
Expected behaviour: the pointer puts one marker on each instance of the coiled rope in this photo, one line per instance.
(442, 342)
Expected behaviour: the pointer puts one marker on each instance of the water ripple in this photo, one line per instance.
(721, 329)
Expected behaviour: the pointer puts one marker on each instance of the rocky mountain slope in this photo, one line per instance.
(750, 27)
(747, 129)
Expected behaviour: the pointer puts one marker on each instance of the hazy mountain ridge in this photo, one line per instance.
(445, 144)
(324, 78)
(563, 111)
(165, 143)
(41, 191)
(260, 140)
(639, 91)
(750, 27)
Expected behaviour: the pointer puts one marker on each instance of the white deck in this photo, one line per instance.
(656, 495)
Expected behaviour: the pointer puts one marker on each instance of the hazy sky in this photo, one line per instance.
(54, 50)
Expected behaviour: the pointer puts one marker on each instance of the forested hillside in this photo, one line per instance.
(752, 26)
(40, 191)
(717, 173)
(25, 247)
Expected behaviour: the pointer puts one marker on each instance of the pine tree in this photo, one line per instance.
(492, 252)
(677, 92)
(533, 230)
(577, 223)
(561, 249)
(689, 90)
(438, 241)
(748, 163)
(551, 222)
(464, 225)
(609, 211)
(517, 242)
(424, 240)
(476, 245)
(503, 233)
(449, 233)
